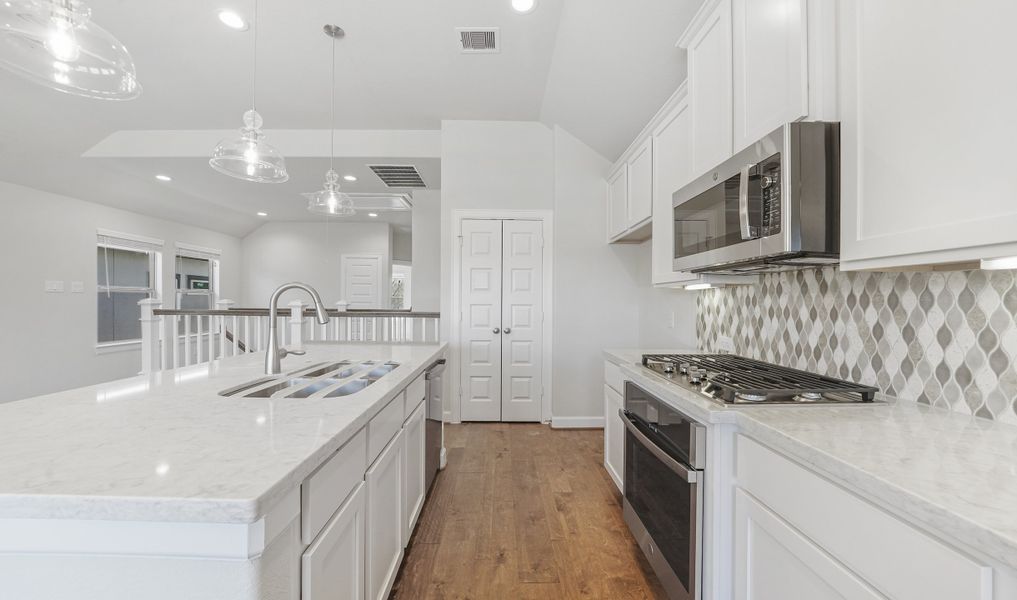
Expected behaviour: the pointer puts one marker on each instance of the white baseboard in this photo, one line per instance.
(577, 422)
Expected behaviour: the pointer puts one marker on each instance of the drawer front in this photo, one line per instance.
(613, 377)
(324, 491)
(415, 394)
(384, 426)
(898, 560)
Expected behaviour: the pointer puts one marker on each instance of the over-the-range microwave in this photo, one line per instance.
(774, 206)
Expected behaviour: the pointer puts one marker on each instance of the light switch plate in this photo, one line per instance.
(77, 287)
(55, 287)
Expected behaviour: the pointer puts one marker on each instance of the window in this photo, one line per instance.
(127, 271)
(400, 299)
(196, 280)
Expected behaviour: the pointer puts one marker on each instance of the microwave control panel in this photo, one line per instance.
(769, 182)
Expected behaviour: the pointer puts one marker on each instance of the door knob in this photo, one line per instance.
(508, 330)
(497, 331)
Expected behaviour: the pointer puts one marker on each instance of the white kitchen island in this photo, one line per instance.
(157, 487)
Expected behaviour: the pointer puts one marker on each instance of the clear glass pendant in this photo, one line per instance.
(329, 200)
(55, 43)
(250, 157)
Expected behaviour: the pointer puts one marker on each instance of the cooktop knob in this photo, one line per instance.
(669, 368)
(683, 368)
(696, 376)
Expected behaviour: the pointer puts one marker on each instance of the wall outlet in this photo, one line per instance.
(55, 287)
(77, 287)
(725, 344)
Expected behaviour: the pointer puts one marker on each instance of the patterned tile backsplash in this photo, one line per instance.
(942, 338)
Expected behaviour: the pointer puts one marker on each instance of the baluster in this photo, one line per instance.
(296, 326)
(257, 333)
(236, 335)
(223, 305)
(187, 340)
(168, 337)
(197, 340)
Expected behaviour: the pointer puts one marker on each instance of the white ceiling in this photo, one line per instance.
(600, 68)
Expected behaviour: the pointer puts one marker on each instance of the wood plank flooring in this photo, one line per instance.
(523, 511)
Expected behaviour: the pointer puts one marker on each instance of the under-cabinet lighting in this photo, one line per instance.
(232, 20)
(350, 177)
(372, 214)
(1005, 262)
(262, 214)
(699, 286)
(164, 178)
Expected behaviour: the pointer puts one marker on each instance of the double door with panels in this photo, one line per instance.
(502, 320)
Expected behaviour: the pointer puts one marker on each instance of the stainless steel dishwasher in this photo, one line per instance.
(435, 417)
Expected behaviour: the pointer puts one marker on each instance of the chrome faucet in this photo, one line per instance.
(275, 354)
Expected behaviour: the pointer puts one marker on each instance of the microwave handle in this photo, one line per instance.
(743, 202)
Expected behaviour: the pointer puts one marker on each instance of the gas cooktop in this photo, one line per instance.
(733, 379)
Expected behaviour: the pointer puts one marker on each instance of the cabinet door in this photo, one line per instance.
(617, 202)
(775, 562)
(770, 67)
(927, 164)
(640, 194)
(672, 168)
(384, 548)
(413, 470)
(614, 437)
(709, 60)
(332, 568)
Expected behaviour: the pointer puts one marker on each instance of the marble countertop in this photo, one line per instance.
(954, 473)
(167, 447)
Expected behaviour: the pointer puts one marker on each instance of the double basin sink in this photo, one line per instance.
(334, 379)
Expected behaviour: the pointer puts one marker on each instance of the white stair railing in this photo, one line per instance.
(177, 338)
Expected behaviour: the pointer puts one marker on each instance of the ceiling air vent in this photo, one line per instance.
(479, 40)
(399, 176)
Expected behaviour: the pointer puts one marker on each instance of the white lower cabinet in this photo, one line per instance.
(385, 523)
(775, 562)
(413, 469)
(332, 568)
(614, 429)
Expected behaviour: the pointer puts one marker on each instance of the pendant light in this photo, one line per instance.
(329, 200)
(55, 43)
(250, 157)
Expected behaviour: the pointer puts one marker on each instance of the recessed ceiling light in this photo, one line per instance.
(232, 20)
(372, 214)
(524, 6)
(262, 214)
(164, 178)
(350, 177)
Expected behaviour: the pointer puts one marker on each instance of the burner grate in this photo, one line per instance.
(735, 376)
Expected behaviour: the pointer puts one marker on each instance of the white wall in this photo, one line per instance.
(281, 252)
(597, 287)
(667, 317)
(426, 280)
(49, 338)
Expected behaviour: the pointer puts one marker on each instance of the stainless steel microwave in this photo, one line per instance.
(774, 206)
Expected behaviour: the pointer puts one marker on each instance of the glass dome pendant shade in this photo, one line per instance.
(329, 200)
(250, 157)
(54, 43)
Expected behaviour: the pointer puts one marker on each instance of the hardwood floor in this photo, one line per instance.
(523, 511)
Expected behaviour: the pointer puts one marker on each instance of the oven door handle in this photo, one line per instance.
(689, 475)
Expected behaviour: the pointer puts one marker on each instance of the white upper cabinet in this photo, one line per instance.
(928, 121)
(770, 67)
(708, 42)
(640, 200)
(618, 202)
(672, 168)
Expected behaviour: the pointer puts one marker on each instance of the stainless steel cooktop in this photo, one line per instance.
(733, 379)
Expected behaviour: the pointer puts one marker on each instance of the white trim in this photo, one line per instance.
(130, 240)
(577, 422)
(546, 217)
(120, 346)
(148, 538)
(697, 23)
(195, 251)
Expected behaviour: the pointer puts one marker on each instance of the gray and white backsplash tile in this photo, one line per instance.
(941, 338)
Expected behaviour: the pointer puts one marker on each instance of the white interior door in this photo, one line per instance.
(522, 320)
(502, 320)
(480, 337)
(362, 280)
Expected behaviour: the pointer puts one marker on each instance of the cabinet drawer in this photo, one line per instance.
(384, 426)
(613, 377)
(415, 393)
(900, 561)
(323, 492)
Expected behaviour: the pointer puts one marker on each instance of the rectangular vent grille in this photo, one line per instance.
(399, 176)
(478, 40)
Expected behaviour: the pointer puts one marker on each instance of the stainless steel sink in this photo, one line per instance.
(338, 377)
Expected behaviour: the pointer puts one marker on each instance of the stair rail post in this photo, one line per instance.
(297, 324)
(150, 324)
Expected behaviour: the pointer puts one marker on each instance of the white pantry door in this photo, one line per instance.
(361, 277)
(500, 336)
(522, 320)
